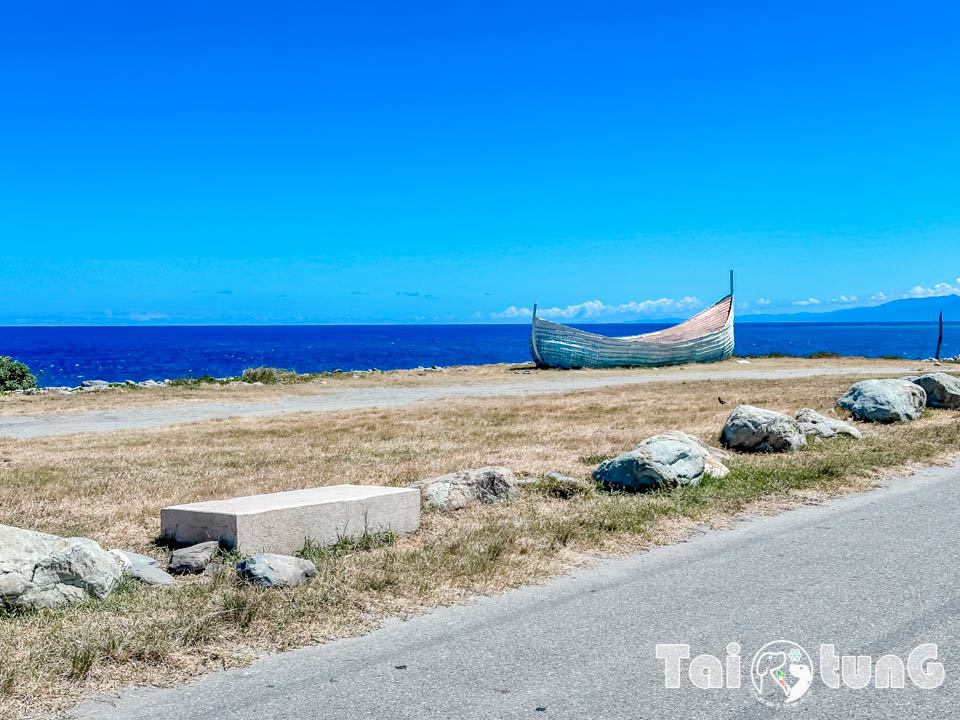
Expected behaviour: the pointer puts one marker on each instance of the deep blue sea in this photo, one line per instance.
(68, 355)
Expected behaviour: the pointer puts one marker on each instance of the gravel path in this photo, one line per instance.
(26, 426)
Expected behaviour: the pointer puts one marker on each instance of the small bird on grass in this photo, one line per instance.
(721, 401)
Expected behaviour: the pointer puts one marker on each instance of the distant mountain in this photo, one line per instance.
(909, 310)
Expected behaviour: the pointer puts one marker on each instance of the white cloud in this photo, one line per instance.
(848, 298)
(879, 296)
(146, 316)
(762, 301)
(597, 310)
(936, 291)
(808, 301)
(512, 312)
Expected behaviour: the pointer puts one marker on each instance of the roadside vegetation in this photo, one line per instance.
(275, 376)
(111, 487)
(15, 375)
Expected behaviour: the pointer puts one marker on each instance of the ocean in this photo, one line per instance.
(69, 355)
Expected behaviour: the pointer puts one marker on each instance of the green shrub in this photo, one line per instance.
(15, 375)
(273, 376)
(823, 355)
(562, 487)
(191, 381)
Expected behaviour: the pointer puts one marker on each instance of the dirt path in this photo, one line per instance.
(26, 426)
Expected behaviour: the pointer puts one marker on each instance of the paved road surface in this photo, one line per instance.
(874, 573)
(25, 426)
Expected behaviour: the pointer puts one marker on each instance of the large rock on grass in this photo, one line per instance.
(463, 488)
(45, 571)
(276, 571)
(713, 458)
(884, 401)
(666, 460)
(753, 429)
(943, 391)
(813, 423)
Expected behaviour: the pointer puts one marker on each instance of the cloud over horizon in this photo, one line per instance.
(597, 310)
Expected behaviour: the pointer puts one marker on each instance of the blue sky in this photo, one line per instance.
(453, 162)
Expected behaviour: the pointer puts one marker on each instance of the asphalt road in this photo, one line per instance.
(26, 426)
(873, 574)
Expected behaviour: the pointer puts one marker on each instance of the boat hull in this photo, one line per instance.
(706, 337)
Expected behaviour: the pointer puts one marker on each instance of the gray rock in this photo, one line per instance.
(193, 559)
(943, 391)
(564, 486)
(45, 571)
(130, 559)
(94, 384)
(813, 423)
(142, 567)
(468, 487)
(667, 460)
(277, 571)
(713, 460)
(214, 569)
(884, 401)
(150, 575)
(753, 429)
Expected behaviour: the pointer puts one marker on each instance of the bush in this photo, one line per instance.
(191, 381)
(273, 376)
(15, 375)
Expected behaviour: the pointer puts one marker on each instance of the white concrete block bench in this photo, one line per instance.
(282, 522)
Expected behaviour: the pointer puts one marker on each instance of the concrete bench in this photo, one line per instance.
(282, 522)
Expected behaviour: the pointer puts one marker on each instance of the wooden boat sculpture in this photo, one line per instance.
(706, 337)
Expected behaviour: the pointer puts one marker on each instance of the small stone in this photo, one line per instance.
(460, 489)
(150, 575)
(276, 571)
(821, 427)
(193, 559)
(214, 569)
(94, 384)
(565, 487)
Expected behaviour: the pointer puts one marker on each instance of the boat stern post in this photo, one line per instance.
(535, 354)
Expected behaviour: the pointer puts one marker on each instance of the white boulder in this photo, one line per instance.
(754, 429)
(45, 571)
(943, 391)
(884, 401)
(670, 459)
(463, 488)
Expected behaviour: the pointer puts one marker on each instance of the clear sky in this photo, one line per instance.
(453, 162)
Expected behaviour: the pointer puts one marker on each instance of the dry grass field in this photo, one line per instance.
(111, 486)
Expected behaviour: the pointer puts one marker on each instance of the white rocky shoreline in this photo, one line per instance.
(99, 385)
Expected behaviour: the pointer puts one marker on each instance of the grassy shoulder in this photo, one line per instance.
(208, 389)
(111, 486)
